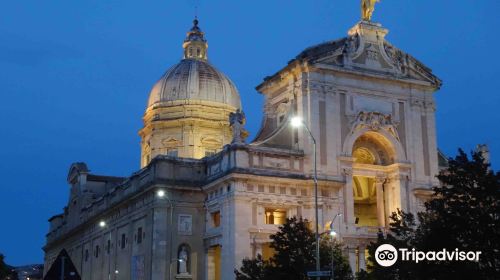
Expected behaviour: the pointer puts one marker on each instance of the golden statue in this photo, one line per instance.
(367, 8)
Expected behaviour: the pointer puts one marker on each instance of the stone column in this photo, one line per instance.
(397, 196)
(159, 258)
(362, 257)
(379, 186)
(348, 198)
(258, 248)
(210, 263)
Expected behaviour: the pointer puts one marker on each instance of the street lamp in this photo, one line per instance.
(299, 122)
(103, 225)
(161, 194)
(333, 234)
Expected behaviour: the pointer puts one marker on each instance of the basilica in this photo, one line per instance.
(205, 197)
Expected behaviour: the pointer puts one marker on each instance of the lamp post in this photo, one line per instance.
(298, 122)
(161, 194)
(333, 234)
(103, 225)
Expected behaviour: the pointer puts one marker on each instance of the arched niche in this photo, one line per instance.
(184, 259)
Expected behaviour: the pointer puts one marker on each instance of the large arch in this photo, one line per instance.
(373, 192)
(391, 144)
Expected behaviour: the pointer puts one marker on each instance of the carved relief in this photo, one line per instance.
(185, 224)
(403, 63)
(351, 46)
(397, 58)
(375, 121)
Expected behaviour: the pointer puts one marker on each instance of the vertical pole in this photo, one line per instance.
(333, 277)
(318, 268)
(109, 254)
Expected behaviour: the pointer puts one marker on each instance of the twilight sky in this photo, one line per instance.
(75, 77)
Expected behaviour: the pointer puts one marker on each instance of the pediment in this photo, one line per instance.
(210, 140)
(170, 141)
(366, 49)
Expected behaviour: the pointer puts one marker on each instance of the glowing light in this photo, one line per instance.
(160, 193)
(296, 121)
(102, 223)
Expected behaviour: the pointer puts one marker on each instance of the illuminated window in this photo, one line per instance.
(267, 251)
(275, 216)
(216, 219)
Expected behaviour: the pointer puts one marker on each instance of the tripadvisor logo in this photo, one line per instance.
(387, 255)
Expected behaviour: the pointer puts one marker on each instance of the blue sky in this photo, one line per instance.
(75, 78)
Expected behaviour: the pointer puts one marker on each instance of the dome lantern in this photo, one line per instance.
(195, 46)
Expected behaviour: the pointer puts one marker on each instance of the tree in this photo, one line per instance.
(295, 246)
(6, 271)
(253, 269)
(463, 213)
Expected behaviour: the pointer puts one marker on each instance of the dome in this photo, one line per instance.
(194, 78)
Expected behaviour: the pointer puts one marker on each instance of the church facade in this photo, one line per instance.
(205, 198)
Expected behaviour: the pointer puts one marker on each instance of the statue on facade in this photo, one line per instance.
(367, 8)
(236, 121)
(183, 260)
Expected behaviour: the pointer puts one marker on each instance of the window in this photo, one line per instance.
(108, 247)
(139, 235)
(96, 251)
(282, 190)
(281, 118)
(123, 241)
(216, 219)
(275, 216)
(172, 152)
(86, 254)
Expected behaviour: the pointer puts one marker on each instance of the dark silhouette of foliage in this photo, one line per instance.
(294, 246)
(6, 271)
(463, 213)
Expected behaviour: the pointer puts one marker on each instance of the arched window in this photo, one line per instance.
(373, 148)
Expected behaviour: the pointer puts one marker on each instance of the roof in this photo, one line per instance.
(194, 79)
